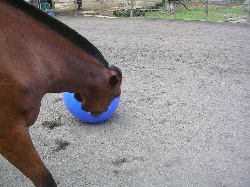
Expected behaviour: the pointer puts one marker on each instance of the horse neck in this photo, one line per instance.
(51, 59)
(76, 70)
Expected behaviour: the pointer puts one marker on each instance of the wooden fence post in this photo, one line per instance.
(132, 9)
(76, 7)
(166, 7)
(102, 6)
(248, 19)
(206, 10)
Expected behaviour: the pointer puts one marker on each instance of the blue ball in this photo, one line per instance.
(74, 107)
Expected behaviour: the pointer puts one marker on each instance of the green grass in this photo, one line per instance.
(214, 13)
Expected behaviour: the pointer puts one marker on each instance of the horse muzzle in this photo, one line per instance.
(97, 114)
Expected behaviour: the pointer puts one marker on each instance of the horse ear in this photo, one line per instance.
(78, 97)
(113, 80)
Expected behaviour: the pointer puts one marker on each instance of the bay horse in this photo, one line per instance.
(39, 55)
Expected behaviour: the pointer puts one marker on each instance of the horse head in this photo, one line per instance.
(98, 98)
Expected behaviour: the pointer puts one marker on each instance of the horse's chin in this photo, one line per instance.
(96, 114)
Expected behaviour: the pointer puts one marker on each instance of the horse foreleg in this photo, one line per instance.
(17, 147)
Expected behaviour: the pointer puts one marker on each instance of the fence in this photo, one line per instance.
(237, 11)
(97, 7)
(169, 8)
(203, 10)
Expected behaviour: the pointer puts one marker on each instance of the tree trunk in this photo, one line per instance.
(170, 5)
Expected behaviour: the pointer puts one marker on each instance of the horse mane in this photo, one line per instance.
(60, 28)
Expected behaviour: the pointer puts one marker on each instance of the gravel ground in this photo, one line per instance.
(184, 114)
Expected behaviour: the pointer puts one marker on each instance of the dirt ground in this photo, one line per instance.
(183, 118)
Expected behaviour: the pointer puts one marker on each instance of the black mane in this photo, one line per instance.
(60, 28)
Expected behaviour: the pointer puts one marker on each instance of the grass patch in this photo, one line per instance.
(215, 13)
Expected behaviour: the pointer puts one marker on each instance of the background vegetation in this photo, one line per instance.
(195, 11)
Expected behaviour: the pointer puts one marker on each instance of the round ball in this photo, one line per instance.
(74, 107)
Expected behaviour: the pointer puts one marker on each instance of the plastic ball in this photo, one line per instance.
(74, 107)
